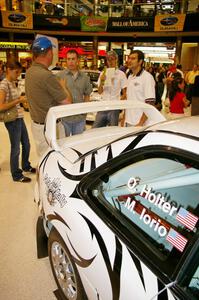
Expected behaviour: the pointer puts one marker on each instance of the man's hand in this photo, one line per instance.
(22, 99)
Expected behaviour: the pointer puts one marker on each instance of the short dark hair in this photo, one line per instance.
(139, 53)
(13, 65)
(72, 51)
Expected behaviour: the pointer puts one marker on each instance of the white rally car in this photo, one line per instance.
(120, 208)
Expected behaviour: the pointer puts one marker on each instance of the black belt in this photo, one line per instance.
(38, 123)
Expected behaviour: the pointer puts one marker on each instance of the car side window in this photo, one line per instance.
(159, 197)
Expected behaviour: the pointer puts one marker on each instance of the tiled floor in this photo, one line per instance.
(22, 275)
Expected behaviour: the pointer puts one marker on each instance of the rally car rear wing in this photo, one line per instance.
(61, 111)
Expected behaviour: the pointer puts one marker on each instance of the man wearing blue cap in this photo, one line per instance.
(43, 89)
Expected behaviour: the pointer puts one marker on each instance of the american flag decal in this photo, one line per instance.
(176, 239)
(186, 218)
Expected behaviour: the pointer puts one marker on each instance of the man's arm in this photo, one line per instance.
(86, 98)
(142, 120)
(123, 96)
(63, 84)
(101, 83)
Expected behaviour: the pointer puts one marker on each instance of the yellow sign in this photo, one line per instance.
(14, 45)
(12, 19)
(169, 22)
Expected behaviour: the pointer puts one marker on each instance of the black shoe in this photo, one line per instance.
(31, 170)
(23, 179)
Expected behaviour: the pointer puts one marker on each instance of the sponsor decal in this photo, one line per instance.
(53, 191)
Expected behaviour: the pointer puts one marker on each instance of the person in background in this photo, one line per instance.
(177, 98)
(43, 90)
(190, 78)
(140, 87)
(179, 70)
(113, 90)
(195, 97)
(80, 88)
(16, 129)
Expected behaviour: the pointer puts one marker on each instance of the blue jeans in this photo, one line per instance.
(106, 118)
(72, 128)
(18, 134)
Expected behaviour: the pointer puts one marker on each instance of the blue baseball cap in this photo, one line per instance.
(41, 44)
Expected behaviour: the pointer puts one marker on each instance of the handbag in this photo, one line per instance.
(10, 114)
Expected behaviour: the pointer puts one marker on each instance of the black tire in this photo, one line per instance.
(74, 289)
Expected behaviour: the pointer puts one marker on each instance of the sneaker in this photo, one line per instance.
(31, 170)
(23, 179)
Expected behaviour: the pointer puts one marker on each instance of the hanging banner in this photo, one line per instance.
(130, 24)
(169, 22)
(11, 19)
(93, 23)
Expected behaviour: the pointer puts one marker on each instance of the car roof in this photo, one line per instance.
(183, 126)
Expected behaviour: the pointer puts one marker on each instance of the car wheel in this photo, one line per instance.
(64, 269)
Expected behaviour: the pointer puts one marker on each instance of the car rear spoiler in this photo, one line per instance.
(61, 111)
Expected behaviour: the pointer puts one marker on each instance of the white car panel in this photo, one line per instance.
(108, 267)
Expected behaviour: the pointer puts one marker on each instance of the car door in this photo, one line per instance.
(149, 199)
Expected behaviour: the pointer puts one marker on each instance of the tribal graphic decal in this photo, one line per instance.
(94, 153)
(115, 270)
(114, 274)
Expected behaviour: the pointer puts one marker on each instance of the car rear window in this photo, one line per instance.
(159, 197)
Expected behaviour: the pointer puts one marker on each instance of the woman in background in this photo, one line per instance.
(10, 97)
(177, 98)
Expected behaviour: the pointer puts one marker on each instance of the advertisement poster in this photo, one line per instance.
(54, 41)
(169, 22)
(56, 22)
(11, 19)
(93, 23)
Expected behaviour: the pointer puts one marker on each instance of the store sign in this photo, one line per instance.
(20, 20)
(169, 22)
(14, 45)
(130, 24)
(55, 23)
(93, 23)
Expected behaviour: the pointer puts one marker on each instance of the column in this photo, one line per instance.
(178, 49)
(95, 52)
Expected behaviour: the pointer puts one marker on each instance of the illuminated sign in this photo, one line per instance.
(14, 45)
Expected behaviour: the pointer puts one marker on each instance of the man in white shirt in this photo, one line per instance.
(112, 85)
(140, 87)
